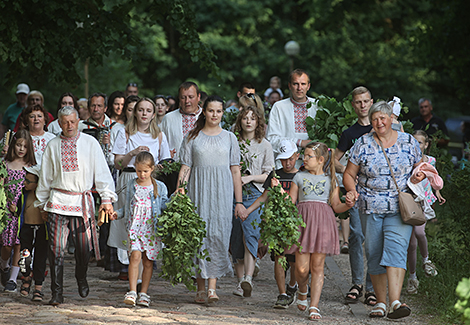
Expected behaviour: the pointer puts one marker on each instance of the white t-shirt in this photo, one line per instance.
(122, 146)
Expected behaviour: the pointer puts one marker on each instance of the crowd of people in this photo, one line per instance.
(100, 154)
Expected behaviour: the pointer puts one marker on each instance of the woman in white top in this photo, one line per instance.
(35, 119)
(66, 99)
(141, 133)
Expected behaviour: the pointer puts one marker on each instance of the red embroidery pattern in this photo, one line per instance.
(39, 145)
(68, 153)
(300, 114)
(62, 207)
(188, 123)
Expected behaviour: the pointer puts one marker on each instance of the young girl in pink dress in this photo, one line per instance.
(20, 154)
(145, 199)
(316, 192)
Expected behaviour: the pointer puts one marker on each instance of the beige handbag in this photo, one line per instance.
(410, 210)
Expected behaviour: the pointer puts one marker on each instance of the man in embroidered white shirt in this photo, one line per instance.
(287, 117)
(73, 163)
(177, 124)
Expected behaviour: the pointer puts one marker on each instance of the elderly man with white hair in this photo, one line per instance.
(72, 164)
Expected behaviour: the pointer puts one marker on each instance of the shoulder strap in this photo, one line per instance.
(388, 162)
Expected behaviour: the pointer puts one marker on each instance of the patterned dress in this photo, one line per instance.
(9, 235)
(141, 225)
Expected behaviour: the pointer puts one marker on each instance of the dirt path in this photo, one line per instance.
(174, 305)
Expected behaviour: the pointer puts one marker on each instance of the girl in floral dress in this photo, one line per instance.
(146, 197)
(20, 154)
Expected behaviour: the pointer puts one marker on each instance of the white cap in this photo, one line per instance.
(22, 89)
(395, 104)
(287, 149)
(33, 170)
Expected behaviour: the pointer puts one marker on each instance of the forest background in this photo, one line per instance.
(404, 48)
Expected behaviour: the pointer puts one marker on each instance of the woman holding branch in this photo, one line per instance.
(210, 159)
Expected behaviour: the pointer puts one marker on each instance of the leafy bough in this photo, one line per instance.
(182, 231)
(280, 223)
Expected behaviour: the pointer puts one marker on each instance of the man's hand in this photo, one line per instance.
(107, 208)
(106, 138)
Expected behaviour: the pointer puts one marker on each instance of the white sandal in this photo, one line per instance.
(316, 312)
(380, 308)
(303, 303)
(212, 296)
(130, 297)
(398, 310)
(144, 299)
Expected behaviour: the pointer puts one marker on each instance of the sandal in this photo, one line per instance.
(302, 304)
(371, 299)
(24, 291)
(200, 297)
(37, 295)
(314, 313)
(144, 299)
(398, 310)
(380, 309)
(130, 297)
(212, 296)
(345, 248)
(355, 295)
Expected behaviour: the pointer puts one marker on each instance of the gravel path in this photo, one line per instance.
(174, 305)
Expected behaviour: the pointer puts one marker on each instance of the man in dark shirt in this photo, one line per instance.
(362, 101)
(429, 122)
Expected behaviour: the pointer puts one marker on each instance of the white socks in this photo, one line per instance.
(14, 273)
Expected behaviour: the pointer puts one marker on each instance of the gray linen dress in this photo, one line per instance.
(210, 188)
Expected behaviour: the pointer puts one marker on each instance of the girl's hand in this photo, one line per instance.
(113, 216)
(240, 210)
(180, 190)
(12, 208)
(440, 197)
(246, 179)
(418, 177)
(243, 215)
(139, 149)
(158, 167)
(351, 198)
(172, 152)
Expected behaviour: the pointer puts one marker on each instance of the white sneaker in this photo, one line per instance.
(429, 269)
(238, 290)
(247, 287)
(412, 286)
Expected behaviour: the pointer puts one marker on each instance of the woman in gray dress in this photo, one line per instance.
(210, 159)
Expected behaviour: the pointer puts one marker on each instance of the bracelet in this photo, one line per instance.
(238, 202)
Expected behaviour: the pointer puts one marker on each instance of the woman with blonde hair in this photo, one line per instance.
(141, 133)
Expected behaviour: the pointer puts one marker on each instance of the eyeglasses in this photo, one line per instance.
(359, 102)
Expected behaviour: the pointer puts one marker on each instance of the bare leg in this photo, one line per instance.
(146, 273)
(345, 229)
(201, 284)
(249, 262)
(280, 276)
(211, 283)
(317, 264)
(134, 262)
(240, 268)
(302, 266)
(379, 281)
(395, 278)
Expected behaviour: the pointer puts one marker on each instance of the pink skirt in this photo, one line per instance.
(320, 234)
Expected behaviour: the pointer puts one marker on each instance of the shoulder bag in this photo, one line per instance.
(410, 210)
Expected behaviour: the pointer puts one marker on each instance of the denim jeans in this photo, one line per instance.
(356, 256)
(387, 240)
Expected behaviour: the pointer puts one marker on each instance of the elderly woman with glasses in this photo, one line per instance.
(386, 235)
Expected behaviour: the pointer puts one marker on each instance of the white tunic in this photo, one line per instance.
(74, 165)
(39, 143)
(172, 126)
(54, 127)
(281, 124)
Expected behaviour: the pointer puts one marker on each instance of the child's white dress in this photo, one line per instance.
(141, 224)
